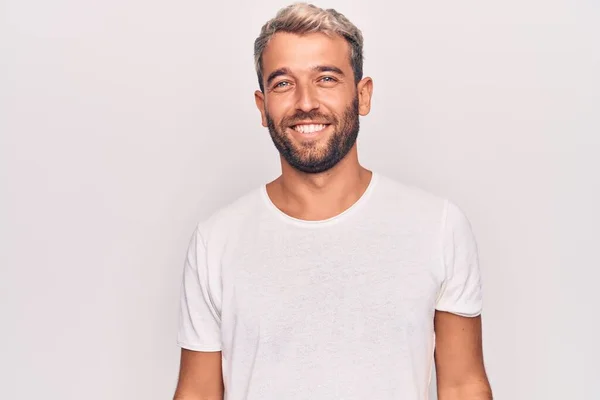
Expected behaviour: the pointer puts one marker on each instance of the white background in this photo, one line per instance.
(123, 123)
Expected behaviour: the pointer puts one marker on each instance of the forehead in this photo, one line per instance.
(300, 52)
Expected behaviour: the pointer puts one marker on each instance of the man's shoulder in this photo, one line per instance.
(422, 205)
(232, 214)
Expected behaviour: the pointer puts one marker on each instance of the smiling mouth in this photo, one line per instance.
(309, 128)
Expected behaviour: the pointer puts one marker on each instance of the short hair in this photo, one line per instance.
(302, 18)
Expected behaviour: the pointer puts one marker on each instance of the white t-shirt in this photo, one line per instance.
(336, 309)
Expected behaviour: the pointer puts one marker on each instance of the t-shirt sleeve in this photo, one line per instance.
(461, 289)
(199, 320)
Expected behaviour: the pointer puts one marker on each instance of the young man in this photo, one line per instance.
(331, 282)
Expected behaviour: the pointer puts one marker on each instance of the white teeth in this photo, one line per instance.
(309, 128)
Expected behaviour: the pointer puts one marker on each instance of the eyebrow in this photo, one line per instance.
(276, 73)
(328, 68)
(318, 68)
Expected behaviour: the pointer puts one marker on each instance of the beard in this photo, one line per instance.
(307, 157)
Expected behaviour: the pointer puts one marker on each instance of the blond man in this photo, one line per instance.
(332, 281)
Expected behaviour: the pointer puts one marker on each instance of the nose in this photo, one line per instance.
(306, 98)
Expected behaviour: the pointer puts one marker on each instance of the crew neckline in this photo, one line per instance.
(322, 222)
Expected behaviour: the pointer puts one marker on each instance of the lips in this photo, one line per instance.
(309, 128)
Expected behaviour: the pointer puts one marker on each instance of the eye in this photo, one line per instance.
(281, 84)
(328, 79)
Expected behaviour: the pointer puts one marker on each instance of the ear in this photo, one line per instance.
(365, 93)
(259, 99)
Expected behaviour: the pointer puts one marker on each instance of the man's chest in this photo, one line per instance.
(321, 290)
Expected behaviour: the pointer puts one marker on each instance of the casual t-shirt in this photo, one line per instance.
(335, 309)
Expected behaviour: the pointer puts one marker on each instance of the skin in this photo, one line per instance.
(459, 363)
(313, 196)
(304, 91)
(200, 376)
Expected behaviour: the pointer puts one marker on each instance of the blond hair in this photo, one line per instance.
(302, 18)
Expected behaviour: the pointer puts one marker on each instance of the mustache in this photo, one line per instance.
(314, 115)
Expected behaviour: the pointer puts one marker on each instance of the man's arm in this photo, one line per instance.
(200, 376)
(459, 358)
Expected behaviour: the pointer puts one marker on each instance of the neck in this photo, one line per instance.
(315, 197)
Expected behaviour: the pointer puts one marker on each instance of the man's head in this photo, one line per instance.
(309, 66)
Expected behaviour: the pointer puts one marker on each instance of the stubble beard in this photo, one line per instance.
(308, 157)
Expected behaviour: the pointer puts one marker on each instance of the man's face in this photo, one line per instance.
(310, 103)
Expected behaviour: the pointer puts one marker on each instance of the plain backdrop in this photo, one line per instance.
(125, 122)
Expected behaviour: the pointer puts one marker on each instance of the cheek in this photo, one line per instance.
(336, 104)
(277, 111)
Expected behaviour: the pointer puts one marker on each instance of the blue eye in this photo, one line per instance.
(280, 84)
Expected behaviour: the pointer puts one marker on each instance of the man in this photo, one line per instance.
(331, 282)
